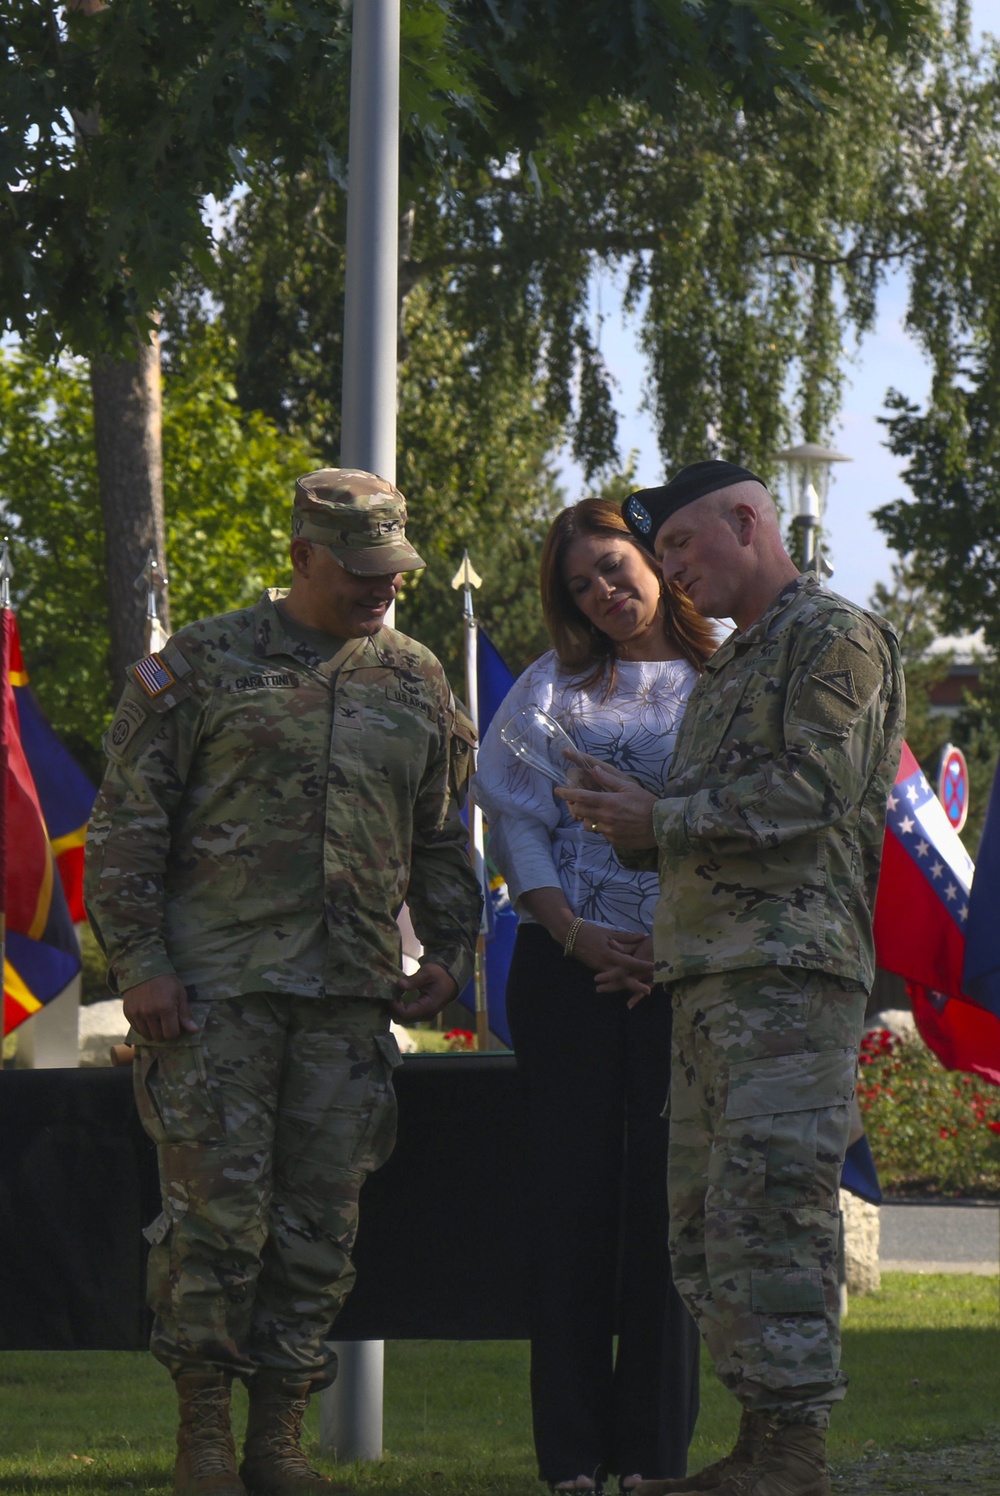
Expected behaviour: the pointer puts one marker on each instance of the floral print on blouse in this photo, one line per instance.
(534, 841)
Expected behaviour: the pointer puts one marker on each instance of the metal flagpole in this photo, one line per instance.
(467, 577)
(149, 579)
(371, 315)
(351, 1410)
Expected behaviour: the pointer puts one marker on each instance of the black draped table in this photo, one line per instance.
(439, 1252)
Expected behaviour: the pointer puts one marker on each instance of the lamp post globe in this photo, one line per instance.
(807, 475)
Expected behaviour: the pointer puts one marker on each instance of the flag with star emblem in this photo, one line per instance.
(923, 892)
(921, 915)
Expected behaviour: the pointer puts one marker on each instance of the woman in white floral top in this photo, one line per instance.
(591, 1031)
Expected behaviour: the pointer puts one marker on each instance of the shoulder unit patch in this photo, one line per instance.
(840, 681)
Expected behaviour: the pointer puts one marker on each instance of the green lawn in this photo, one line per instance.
(922, 1356)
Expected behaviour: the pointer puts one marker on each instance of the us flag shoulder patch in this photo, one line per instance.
(153, 676)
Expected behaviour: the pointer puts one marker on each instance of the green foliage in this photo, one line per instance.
(48, 483)
(950, 526)
(228, 484)
(911, 611)
(474, 466)
(752, 246)
(117, 125)
(931, 1130)
(473, 444)
(539, 61)
(477, 477)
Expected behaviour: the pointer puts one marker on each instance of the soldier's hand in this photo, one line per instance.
(622, 811)
(158, 1009)
(436, 989)
(590, 773)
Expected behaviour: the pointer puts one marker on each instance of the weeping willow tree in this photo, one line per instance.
(752, 243)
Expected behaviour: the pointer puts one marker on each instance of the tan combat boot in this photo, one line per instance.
(749, 1443)
(792, 1463)
(273, 1462)
(206, 1454)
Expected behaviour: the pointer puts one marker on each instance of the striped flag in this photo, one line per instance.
(921, 916)
(41, 953)
(65, 794)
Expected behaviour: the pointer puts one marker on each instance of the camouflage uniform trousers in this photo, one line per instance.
(266, 1123)
(762, 1074)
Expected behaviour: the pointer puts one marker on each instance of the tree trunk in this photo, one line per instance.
(127, 435)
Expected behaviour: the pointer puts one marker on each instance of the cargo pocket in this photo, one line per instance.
(787, 1118)
(461, 755)
(378, 1137)
(797, 1340)
(786, 1290)
(797, 1108)
(175, 1092)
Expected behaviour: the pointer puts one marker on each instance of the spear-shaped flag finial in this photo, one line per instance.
(149, 579)
(466, 575)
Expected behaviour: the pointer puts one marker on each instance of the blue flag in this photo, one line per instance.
(859, 1174)
(65, 794)
(981, 968)
(495, 680)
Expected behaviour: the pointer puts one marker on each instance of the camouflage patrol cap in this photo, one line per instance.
(362, 518)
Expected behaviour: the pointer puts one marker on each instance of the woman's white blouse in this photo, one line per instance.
(534, 841)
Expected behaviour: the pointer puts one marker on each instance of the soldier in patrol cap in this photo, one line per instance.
(279, 780)
(768, 834)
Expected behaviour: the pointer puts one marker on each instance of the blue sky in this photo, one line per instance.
(885, 358)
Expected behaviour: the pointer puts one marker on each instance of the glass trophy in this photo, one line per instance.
(537, 739)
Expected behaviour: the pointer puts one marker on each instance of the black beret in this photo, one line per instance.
(645, 511)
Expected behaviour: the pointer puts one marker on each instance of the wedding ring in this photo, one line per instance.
(593, 825)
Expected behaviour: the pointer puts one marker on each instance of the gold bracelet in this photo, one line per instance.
(571, 935)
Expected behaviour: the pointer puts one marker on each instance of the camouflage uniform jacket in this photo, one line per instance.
(770, 830)
(266, 811)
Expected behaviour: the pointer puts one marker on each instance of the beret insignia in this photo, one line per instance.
(638, 515)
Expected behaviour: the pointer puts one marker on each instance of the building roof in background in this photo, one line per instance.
(965, 649)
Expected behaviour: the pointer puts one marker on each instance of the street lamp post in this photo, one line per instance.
(807, 470)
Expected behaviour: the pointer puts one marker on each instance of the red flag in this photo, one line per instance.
(41, 954)
(64, 792)
(921, 912)
(963, 1036)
